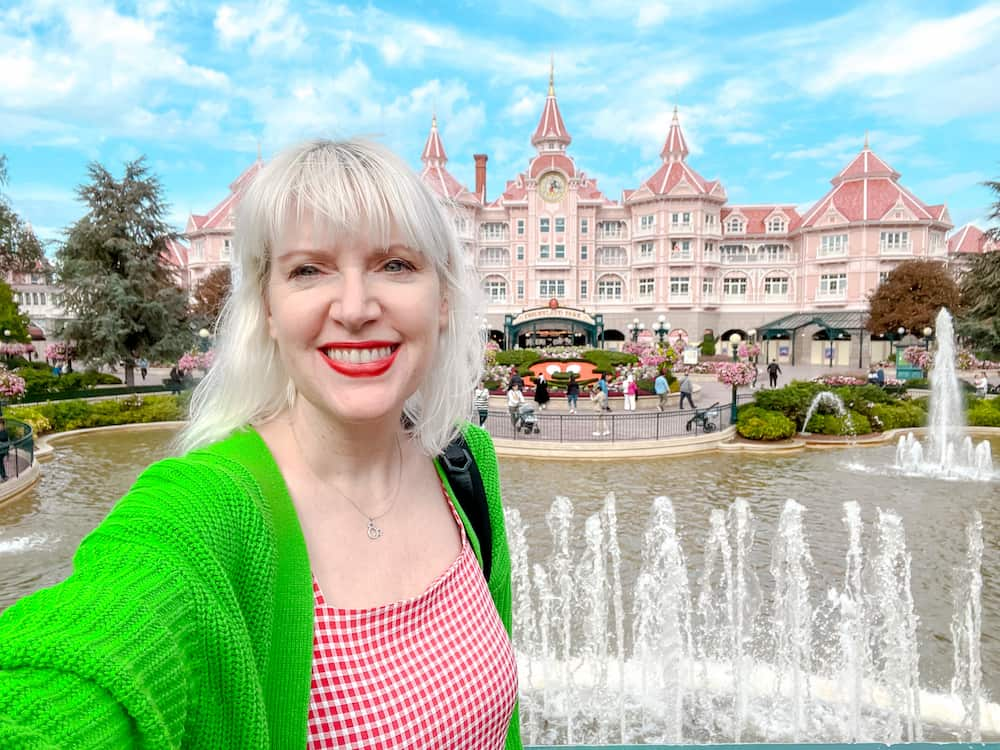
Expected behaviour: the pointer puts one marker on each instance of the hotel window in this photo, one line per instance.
(199, 249)
(496, 290)
(520, 289)
(560, 251)
(833, 284)
(776, 286)
(709, 248)
(734, 225)
(520, 252)
(34, 298)
(520, 226)
(611, 256)
(882, 276)
(227, 249)
(646, 286)
(647, 222)
(543, 225)
(646, 250)
(773, 254)
(894, 241)
(543, 251)
(681, 250)
(584, 226)
(583, 252)
(709, 220)
(560, 224)
(494, 256)
(680, 286)
(583, 289)
(680, 218)
(609, 289)
(551, 288)
(776, 224)
(832, 245)
(735, 286)
(708, 287)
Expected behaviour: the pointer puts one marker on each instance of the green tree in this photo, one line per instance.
(20, 249)
(118, 284)
(980, 322)
(911, 297)
(11, 317)
(994, 232)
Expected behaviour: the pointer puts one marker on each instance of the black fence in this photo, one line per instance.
(17, 453)
(588, 425)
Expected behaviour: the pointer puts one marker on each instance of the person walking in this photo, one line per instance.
(143, 368)
(880, 376)
(4, 448)
(514, 400)
(686, 390)
(572, 393)
(600, 400)
(515, 378)
(631, 389)
(481, 401)
(662, 389)
(982, 384)
(541, 391)
(602, 383)
(772, 372)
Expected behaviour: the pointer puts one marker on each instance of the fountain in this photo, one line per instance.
(724, 660)
(948, 453)
(833, 401)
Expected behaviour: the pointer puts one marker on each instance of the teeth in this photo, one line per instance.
(359, 356)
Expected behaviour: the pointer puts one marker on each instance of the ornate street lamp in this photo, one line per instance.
(734, 344)
(203, 334)
(634, 328)
(662, 327)
(928, 332)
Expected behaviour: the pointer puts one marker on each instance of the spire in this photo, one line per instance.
(866, 139)
(434, 154)
(551, 130)
(675, 148)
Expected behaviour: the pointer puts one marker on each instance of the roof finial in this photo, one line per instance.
(866, 139)
(434, 120)
(552, 74)
(258, 150)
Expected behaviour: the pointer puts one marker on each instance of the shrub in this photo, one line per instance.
(61, 416)
(707, 346)
(984, 413)
(518, 357)
(884, 417)
(34, 417)
(37, 382)
(793, 400)
(755, 423)
(833, 424)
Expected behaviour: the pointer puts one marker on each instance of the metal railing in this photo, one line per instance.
(588, 425)
(18, 453)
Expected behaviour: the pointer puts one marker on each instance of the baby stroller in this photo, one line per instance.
(526, 421)
(707, 419)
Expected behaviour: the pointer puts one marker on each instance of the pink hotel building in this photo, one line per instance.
(561, 263)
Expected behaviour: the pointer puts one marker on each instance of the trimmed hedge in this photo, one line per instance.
(518, 357)
(834, 424)
(984, 413)
(755, 423)
(40, 384)
(73, 415)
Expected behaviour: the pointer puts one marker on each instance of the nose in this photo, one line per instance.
(355, 302)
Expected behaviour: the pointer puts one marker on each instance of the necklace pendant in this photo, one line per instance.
(374, 532)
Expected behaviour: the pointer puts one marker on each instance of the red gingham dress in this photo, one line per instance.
(437, 671)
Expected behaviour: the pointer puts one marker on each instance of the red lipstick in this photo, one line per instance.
(371, 369)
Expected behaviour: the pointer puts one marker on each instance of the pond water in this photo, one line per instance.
(40, 530)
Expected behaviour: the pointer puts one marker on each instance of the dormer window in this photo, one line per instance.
(776, 224)
(734, 225)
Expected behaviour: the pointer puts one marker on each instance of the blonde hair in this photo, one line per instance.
(349, 186)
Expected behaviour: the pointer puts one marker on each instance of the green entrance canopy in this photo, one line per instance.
(835, 323)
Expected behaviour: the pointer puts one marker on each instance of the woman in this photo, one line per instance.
(277, 586)
(600, 399)
(631, 390)
(514, 400)
(541, 390)
(481, 401)
(572, 393)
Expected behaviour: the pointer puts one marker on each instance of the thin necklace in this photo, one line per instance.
(374, 532)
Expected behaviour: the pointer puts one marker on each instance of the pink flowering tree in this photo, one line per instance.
(918, 357)
(11, 386)
(735, 373)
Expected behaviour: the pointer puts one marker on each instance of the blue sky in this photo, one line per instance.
(774, 97)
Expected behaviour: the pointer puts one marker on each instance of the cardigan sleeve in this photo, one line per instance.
(132, 648)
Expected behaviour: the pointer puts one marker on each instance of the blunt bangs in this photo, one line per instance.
(345, 190)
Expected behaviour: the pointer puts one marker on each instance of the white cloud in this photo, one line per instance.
(268, 26)
(743, 138)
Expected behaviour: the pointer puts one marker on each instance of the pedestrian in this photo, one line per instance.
(872, 376)
(514, 400)
(631, 389)
(662, 390)
(481, 401)
(303, 578)
(600, 400)
(572, 393)
(541, 390)
(982, 384)
(143, 368)
(602, 383)
(515, 379)
(772, 372)
(4, 448)
(686, 390)
(880, 376)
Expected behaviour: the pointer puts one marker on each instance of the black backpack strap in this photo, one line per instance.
(467, 484)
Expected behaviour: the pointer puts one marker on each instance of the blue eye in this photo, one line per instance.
(304, 270)
(396, 265)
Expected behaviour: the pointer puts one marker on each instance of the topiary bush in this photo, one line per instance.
(984, 413)
(755, 423)
(518, 357)
(707, 346)
(793, 400)
(884, 417)
(833, 424)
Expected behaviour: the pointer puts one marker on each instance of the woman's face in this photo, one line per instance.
(356, 325)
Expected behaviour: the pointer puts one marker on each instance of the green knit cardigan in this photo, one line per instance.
(188, 619)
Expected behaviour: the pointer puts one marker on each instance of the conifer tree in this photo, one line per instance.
(119, 287)
(20, 249)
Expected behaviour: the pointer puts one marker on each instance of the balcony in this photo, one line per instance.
(611, 234)
(710, 300)
(681, 256)
(838, 297)
(681, 299)
(895, 248)
(682, 228)
(493, 261)
(770, 299)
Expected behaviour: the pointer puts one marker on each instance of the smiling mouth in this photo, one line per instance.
(360, 361)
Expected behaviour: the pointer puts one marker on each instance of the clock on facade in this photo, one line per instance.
(552, 186)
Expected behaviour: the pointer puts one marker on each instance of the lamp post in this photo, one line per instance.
(734, 344)
(662, 327)
(752, 339)
(928, 332)
(203, 334)
(633, 328)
